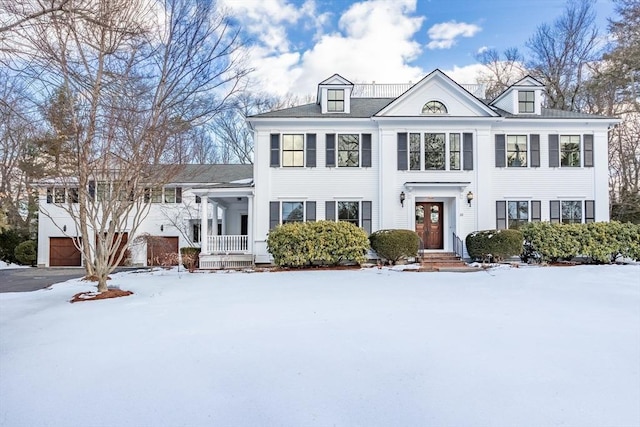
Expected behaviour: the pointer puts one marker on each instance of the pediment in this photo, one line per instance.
(430, 93)
(336, 79)
(528, 81)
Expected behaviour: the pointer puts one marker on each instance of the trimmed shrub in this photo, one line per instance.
(494, 245)
(599, 242)
(299, 244)
(26, 253)
(190, 257)
(394, 245)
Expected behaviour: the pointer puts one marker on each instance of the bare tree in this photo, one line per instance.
(501, 71)
(561, 52)
(14, 14)
(141, 74)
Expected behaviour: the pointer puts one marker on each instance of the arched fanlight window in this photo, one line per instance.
(434, 107)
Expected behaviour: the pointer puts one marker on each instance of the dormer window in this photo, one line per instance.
(434, 107)
(526, 101)
(335, 100)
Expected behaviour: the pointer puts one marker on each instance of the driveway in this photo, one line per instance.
(32, 279)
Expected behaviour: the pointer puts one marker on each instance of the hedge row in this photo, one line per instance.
(394, 245)
(494, 245)
(299, 244)
(599, 242)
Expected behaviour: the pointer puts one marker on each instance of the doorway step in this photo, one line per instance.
(443, 261)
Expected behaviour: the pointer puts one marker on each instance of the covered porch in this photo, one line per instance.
(226, 218)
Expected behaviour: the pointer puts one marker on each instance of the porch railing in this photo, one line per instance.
(228, 244)
(458, 246)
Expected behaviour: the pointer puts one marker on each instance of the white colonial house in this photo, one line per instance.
(433, 157)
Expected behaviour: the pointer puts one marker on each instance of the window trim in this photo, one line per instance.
(526, 102)
(334, 101)
(434, 107)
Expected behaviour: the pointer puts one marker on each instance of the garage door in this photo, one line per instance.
(63, 253)
(162, 250)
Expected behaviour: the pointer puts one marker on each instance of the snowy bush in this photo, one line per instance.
(394, 245)
(299, 244)
(494, 245)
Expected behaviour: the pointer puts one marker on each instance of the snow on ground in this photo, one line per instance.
(531, 346)
(5, 265)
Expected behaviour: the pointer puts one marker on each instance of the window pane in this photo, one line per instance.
(414, 151)
(348, 150)
(292, 212)
(103, 191)
(518, 213)
(434, 147)
(170, 195)
(516, 151)
(58, 195)
(293, 150)
(156, 195)
(570, 150)
(434, 107)
(572, 212)
(526, 101)
(419, 214)
(454, 151)
(348, 211)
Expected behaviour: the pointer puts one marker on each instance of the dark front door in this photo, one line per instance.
(244, 224)
(429, 224)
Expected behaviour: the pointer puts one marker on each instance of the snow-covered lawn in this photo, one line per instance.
(532, 346)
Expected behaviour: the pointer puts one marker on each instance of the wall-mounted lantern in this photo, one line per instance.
(402, 197)
(161, 227)
(469, 197)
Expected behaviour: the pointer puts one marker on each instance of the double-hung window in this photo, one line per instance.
(293, 150)
(414, 151)
(515, 213)
(518, 213)
(454, 151)
(570, 150)
(526, 101)
(348, 150)
(435, 151)
(335, 100)
(349, 212)
(292, 212)
(516, 151)
(571, 212)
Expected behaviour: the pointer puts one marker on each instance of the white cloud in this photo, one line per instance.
(444, 35)
(374, 41)
(468, 74)
(483, 49)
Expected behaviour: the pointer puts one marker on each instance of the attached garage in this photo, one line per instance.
(63, 253)
(162, 250)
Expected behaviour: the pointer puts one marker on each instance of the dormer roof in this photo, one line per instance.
(336, 80)
(527, 82)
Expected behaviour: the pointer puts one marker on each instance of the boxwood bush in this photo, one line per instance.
(598, 242)
(394, 245)
(299, 244)
(494, 245)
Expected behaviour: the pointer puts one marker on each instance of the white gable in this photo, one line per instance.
(437, 87)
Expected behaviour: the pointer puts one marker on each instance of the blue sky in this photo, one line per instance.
(298, 43)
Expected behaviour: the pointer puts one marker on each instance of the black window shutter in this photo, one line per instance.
(198, 198)
(536, 215)
(500, 151)
(330, 211)
(366, 217)
(92, 190)
(554, 214)
(501, 215)
(311, 211)
(402, 151)
(49, 195)
(275, 150)
(311, 150)
(331, 150)
(534, 144)
(274, 214)
(178, 194)
(588, 151)
(589, 210)
(554, 153)
(366, 150)
(467, 149)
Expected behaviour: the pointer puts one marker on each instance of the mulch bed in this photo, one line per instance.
(94, 295)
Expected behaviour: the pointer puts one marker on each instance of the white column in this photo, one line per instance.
(204, 226)
(224, 220)
(250, 223)
(214, 222)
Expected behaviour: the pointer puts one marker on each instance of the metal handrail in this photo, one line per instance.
(458, 246)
